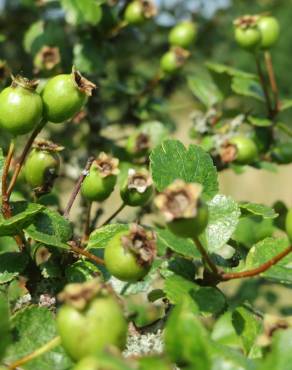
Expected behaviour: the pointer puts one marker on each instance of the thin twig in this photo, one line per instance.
(5, 199)
(264, 85)
(86, 254)
(258, 270)
(23, 156)
(205, 256)
(38, 352)
(150, 86)
(77, 187)
(273, 81)
(109, 219)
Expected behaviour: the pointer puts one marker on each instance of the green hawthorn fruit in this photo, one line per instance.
(246, 150)
(101, 180)
(42, 165)
(138, 145)
(137, 188)
(183, 34)
(185, 213)
(90, 321)
(139, 10)
(247, 33)
(21, 107)
(173, 60)
(64, 95)
(129, 254)
(270, 31)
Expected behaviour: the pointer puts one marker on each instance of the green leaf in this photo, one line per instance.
(252, 229)
(264, 251)
(260, 122)
(258, 209)
(32, 328)
(238, 329)
(285, 104)
(224, 214)
(209, 300)
(51, 229)
(171, 161)
(4, 325)
(280, 357)
(11, 265)
(224, 69)
(186, 340)
(87, 58)
(247, 87)
(82, 11)
(204, 89)
(167, 240)
(81, 271)
(23, 215)
(99, 238)
(157, 363)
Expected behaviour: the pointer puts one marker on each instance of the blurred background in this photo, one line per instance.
(78, 33)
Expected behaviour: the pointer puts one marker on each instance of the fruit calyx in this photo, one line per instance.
(142, 142)
(107, 165)
(82, 83)
(49, 57)
(179, 200)
(246, 21)
(20, 81)
(49, 146)
(149, 8)
(80, 295)
(139, 180)
(228, 152)
(181, 55)
(142, 243)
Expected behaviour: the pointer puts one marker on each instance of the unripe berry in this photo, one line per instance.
(247, 33)
(239, 149)
(270, 31)
(173, 60)
(139, 10)
(183, 34)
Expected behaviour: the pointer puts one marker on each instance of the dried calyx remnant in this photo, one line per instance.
(46, 145)
(142, 243)
(181, 55)
(228, 152)
(49, 57)
(139, 180)
(82, 83)
(24, 82)
(107, 165)
(179, 200)
(149, 8)
(246, 21)
(142, 142)
(80, 295)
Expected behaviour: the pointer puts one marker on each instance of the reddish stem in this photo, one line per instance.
(273, 81)
(86, 254)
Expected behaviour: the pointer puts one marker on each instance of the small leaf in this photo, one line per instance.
(171, 161)
(23, 215)
(224, 214)
(11, 265)
(238, 329)
(82, 11)
(32, 328)
(204, 89)
(51, 229)
(167, 240)
(209, 300)
(233, 72)
(258, 209)
(285, 104)
(186, 340)
(260, 122)
(99, 238)
(247, 87)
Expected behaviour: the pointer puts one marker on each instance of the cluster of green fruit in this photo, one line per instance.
(181, 37)
(256, 31)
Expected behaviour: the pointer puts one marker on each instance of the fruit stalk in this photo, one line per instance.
(111, 217)
(273, 81)
(77, 187)
(86, 254)
(264, 85)
(38, 352)
(5, 198)
(206, 258)
(23, 156)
